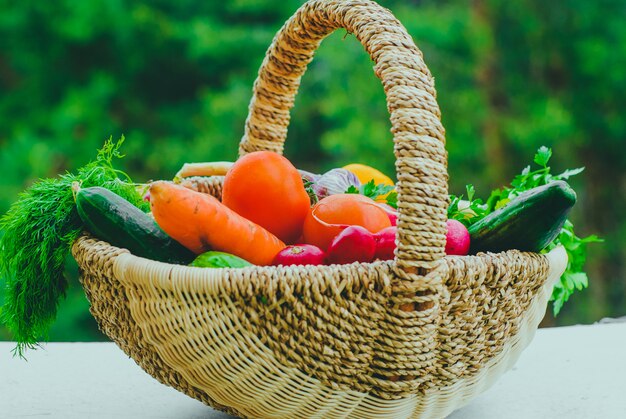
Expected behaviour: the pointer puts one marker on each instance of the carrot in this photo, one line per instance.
(200, 222)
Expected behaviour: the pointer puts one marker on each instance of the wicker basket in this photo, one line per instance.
(416, 337)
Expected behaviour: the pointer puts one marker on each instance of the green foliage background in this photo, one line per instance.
(175, 77)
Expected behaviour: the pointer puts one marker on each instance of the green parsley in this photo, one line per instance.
(471, 210)
(372, 190)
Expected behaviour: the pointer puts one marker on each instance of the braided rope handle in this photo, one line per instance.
(419, 142)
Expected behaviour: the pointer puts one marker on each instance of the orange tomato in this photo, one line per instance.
(267, 189)
(334, 213)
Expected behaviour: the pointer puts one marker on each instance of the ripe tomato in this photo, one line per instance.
(267, 189)
(333, 214)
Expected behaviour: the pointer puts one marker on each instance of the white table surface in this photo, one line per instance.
(576, 372)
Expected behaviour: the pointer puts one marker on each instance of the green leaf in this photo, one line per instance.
(543, 156)
(353, 189)
(470, 192)
(371, 190)
(569, 173)
(392, 199)
(368, 189)
(592, 239)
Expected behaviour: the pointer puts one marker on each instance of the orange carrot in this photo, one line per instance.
(200, 222)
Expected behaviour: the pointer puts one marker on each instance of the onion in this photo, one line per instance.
(335, 181)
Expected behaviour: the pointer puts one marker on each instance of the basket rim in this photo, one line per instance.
(122, 259)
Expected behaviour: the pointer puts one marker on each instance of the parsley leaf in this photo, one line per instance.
(543, 156)
(471, 210)
(372, 190)
(392, 199)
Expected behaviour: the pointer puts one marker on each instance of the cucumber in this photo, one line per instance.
(529, 222)
(111, 218)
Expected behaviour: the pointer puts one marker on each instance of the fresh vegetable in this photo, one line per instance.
(39, 230)
(200, 222)
(381, 188)
(300, 254)
(353, 244)
(392, 213)
(213, 259)
(335, 181)
(385, 243)
(308, 176)
(378, 192)
(214, 168)
(367, 174)
(333, 214)
(265, 188)
(574, 277)
(111, 218)
(528, 222)
(457, 238)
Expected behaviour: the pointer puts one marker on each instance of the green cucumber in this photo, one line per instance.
(111, 218)
(529, 222)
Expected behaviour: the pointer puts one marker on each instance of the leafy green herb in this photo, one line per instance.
(39, 230)
(308, 187)
(466, 211)
(372, 190)
(471, 210)
(392, 199)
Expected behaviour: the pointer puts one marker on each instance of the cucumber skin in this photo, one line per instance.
(111, 218)
(529, 222)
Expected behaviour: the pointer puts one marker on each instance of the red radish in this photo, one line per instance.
(392, 213)
(353, 244)
(385, 243)
(457, 239)
(300, 254)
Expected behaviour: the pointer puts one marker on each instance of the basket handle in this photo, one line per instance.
(419, 142)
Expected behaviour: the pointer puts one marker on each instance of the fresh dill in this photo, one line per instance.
(38, 232)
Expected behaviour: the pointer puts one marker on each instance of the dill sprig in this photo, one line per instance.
(38, 232)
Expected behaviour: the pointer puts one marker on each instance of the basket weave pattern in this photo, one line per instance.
(412, 337)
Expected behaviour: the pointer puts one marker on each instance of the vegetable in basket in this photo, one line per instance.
(528, 222)
(334, 213)
(300, 254)
(457, 238)
(214, 168)
(473, 210)
(267, 189)
(214, 259)
(353, 244)
(333, 182)
(111, 218)
(367, 174)
(386, 243)
(200, 223)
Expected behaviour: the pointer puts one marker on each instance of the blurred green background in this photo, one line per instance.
(175, 77)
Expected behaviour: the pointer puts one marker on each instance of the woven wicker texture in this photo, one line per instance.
(191, 330)
(414, 337)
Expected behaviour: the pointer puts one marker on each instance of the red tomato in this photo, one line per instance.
(335, 213)
(267, 189)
